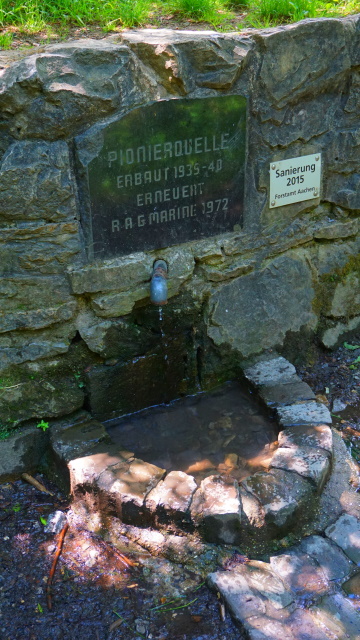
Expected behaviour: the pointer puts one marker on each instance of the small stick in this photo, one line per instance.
(53, 566)
(125, 560)
(36, 484)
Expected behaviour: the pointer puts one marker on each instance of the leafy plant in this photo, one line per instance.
(81, 383)
(6, 40)
(355, 363)
(351, 347)
(43, 520)
(16, 507)
(43, 425)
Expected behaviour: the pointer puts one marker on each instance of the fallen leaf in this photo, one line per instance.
(196, 618)
(115, 624)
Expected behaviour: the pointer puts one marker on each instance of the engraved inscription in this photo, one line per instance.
(167, 173)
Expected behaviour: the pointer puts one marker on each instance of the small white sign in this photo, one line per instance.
(295, 180)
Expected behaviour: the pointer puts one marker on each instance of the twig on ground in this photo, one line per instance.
(124, 559)
(35, 483)
(53, 566)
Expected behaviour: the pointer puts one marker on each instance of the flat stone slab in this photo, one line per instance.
(71, 441)
(303, 413)
(306, 461)
(301, 573)
(87, 469)
(338, 617)
(318, 436)
(172, 496)
(280, 493)
(296, 626)
(251, 590)
(271, 372)
(334, 563)
(286, 393)
(346, 534)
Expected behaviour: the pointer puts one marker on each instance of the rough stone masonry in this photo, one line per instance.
(76, 332)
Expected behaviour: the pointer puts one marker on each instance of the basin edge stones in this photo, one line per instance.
(263, 507)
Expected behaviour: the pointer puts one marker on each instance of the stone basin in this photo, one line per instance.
(108, 480)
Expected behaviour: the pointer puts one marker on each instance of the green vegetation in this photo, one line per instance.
(43, 425)
(54, 18)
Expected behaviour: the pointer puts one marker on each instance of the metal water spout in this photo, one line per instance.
(158, 284)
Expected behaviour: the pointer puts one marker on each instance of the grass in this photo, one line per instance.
(58, 16)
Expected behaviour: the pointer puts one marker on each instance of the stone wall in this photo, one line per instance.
(75, 333)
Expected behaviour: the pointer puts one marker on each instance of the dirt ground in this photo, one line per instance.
(95, 595)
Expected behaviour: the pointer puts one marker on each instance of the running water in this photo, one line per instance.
(162, 333)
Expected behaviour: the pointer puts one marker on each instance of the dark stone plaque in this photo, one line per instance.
(167, 173)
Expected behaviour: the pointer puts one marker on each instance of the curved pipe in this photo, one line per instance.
(158, 284)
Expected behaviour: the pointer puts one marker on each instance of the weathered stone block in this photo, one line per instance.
(333, 256)
(346, 533)
(302, 68)
(85, 471)
(337, 230)
(38, 248)
(28, 346)
(36, 182)
(22, 452)
(227, 271)
(171, 498)
(254, 312)
(286, 393)
(215, 59)
(32, 302)
(37, 318)
(70, 440)
(71, 85)
(252, 511)
(130, 486)
(305, 461)
(40, 399)
(334, 563)
(113, 305)
(304, 413)
(331, 336)
(341, 186)
(271, 372)
(346, 300)
(216, 508)
(120, 274)
(281, 494)
(116, 338)
(319, 436)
